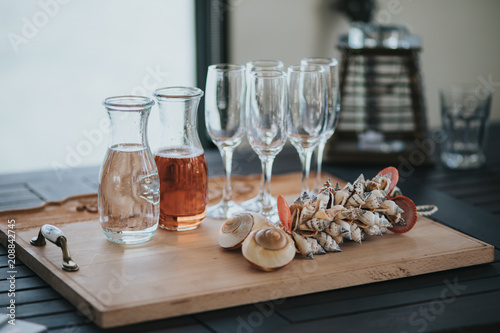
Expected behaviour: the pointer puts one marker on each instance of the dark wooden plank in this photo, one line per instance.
(353, 305)
(467, 311)
(20, 204)
(68, 320)
(32, 295)
(20, 272)
(58, 190)
(24, 283)
(259, 316)
(43, 308)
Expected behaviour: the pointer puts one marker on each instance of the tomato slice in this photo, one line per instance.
(410, 214)
(394, 176)
(284, 214)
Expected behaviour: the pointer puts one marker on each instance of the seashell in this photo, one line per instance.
(335, 230)
(338, 239)
(315, 224)
(376, 198)
(342, 195)
(382, 221)
(235, 229)
(324, 214)
(327, 242)
(308, 233)
(396, 219)
(389, 207)
(374, 183)
(345, 225)
(324, 199)
(359, 184)
(356, 233)
(357, 199)
(268, 249)
(315, 247)
(340, 213)
(385, 184)
(308, 211)
(373, 230)
(365, 217)
(303, 245)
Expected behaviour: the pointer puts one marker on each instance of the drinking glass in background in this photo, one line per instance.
(266, 125)
(465, 110)
(333, 91)
(225, 122)
(307, 118)
(255, 204)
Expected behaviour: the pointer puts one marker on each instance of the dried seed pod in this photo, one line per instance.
(268, 248)
(234, 231)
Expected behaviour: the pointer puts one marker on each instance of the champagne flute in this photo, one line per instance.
(267, 108)
(225, 122)
(307, 117)
(255, 204)
(332, 75)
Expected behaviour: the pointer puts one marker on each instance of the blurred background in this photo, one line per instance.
(59, 59)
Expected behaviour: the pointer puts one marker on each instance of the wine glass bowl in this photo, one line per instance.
(333, 90)
(307, 117)
(225, 123)
(267, 107)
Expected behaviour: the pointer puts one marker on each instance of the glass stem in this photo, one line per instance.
(227, 160)
(267, 168)
(262, 180)
(319, 162)
(305, 158)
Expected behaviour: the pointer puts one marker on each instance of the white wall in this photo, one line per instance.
(461, 38)
(53, 78)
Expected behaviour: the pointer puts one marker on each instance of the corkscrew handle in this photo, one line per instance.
(56, 236)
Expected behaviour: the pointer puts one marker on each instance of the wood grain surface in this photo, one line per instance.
(180, 273)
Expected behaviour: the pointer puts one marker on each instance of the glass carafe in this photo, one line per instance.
(129, 193)
(180, 159)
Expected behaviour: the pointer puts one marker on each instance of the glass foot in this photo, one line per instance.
(255, 204)
(224, 210)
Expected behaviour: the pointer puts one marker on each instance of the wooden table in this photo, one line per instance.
(465, 300)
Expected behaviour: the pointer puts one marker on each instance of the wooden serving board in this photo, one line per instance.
(178, 273)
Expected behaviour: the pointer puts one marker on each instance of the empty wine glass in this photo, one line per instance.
(225, 122)
(307, 117)
(266, 125)
(333, 90)
(255, 204)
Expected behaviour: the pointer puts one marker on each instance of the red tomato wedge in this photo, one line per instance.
(410, 214)
(284, 214)
(394, 176)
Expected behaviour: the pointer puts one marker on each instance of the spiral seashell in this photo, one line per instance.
(341, 196)
(389, 207)
(315, 224)
(268, 249)
(374, 183)
(234, 231)
(347, 226)
(376, 198)
(324, 214)
(359, 184)
(303, 246)
(340, 213)
(356, 234)
(327, 242)
(357, 199)
(315, 247)
(324, 199)
(335, 230)
(373, 230)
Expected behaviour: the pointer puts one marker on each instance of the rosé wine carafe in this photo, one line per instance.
(180, 160)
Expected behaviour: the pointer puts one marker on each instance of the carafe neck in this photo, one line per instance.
(178, 108)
